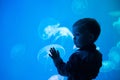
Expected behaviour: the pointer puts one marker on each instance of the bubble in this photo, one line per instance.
(17, 52)
(44, 59)
(79, 6)
(56, 77)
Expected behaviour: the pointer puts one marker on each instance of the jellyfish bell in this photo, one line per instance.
(56, 32)
(114, 56)
(44, 58)
(56, 77)
(79, 6)
(45, 23)
(118, 44)
(107, 66)
(50, 31)
(114, 13)
(116, 25)
(64, 32)
(18, 52)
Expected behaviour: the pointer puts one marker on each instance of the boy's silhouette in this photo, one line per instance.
(84, 63)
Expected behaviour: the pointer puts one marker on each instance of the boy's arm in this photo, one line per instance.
(60, 65)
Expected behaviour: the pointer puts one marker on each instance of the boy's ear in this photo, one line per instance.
(92, 37)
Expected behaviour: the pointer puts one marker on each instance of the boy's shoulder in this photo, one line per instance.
(80, 53)
(85, 53)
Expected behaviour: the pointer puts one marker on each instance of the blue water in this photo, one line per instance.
(30, 27)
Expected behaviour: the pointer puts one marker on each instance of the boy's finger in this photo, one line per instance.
(50, 55)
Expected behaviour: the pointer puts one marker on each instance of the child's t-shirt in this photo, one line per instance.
(84, 64)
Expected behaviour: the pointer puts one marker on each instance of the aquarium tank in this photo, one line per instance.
(29, 28)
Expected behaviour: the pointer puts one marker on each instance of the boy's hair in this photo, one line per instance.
(89, 24)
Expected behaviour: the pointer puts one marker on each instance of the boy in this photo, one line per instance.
(83, 64)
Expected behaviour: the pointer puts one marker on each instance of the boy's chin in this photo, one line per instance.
(78, 46)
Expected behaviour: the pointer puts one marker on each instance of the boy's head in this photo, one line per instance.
(85, 31)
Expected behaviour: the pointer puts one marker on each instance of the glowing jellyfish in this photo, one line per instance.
(113, 59)
(79, 6)
(43, 56)
(114, 56)
(42, 30)
(18, 51)
(115, 13)
(107, 66)
(56, 77)
(55, 31)
(118, 44)
(116, 25)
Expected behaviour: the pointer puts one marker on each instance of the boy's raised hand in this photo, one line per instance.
(54, 53)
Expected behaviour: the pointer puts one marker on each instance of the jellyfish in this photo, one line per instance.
(18, 52)
(107, 66)
(118, 44)
(115, 13)
(79, 6)
(113, 62)
(43, 31)
(116, 25)
(56, 77)
(114, 56)
(44, 59)
(54, 31)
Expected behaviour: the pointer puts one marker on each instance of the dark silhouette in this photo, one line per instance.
(84, 63)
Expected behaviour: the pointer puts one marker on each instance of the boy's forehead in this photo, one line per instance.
(79, 28)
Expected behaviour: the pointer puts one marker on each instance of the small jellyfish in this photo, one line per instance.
(18, 52)
(116, 25)
(56, 77)
(79, 6)
(44, 59)
(115, 13)
(114, 56)
(107, 66)
(118, 44)
(45, 27)
(54, 31)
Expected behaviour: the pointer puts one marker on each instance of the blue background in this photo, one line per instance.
(22, 25)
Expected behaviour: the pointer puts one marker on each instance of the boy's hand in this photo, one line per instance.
(54, 53)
